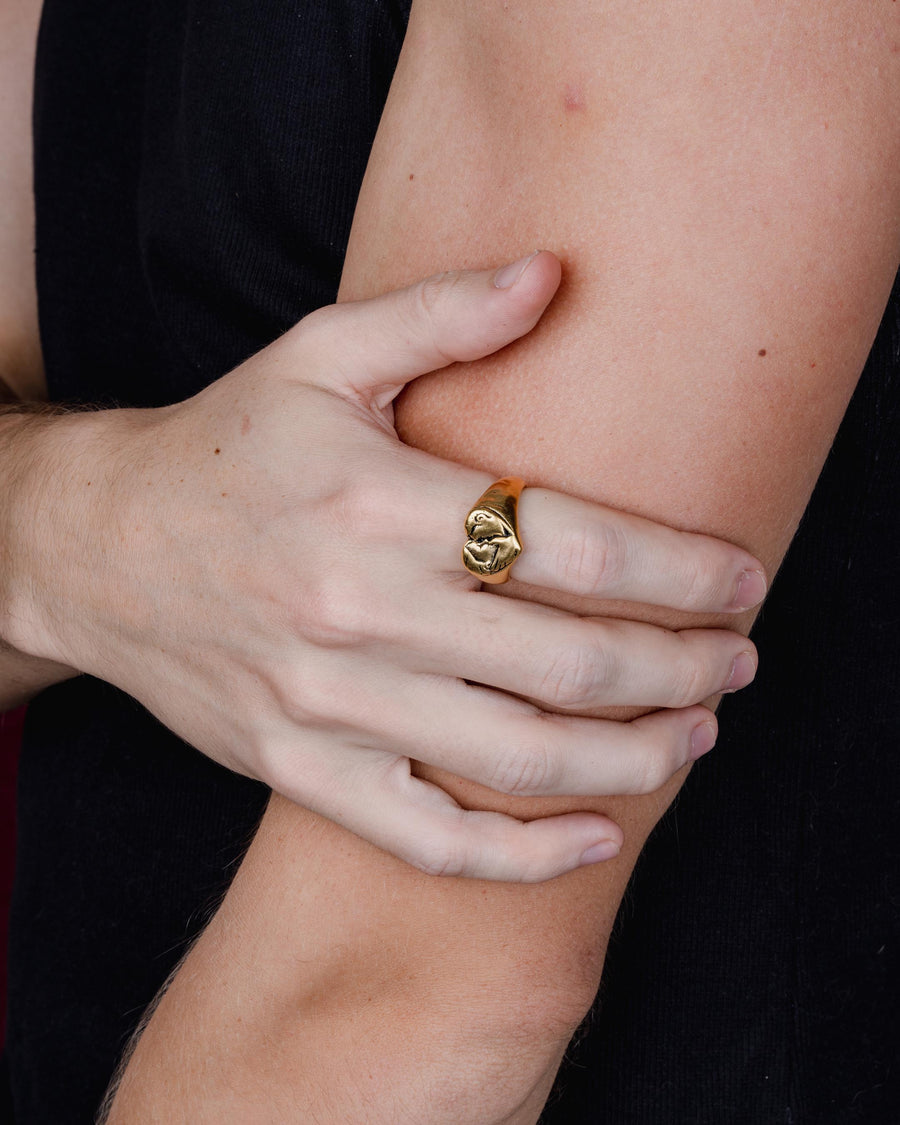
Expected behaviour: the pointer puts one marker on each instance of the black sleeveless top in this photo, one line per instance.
(197, 165)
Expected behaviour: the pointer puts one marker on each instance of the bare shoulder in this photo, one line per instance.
(20, 358)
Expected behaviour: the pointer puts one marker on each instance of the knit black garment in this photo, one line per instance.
(197, 165)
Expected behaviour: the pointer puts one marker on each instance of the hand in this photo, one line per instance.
(272, 573)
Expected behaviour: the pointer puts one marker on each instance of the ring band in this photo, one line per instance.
(492, 527)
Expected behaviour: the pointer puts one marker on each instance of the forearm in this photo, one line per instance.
(22, 677)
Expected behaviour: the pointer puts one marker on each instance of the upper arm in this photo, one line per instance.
(722, 183)
(20, 357)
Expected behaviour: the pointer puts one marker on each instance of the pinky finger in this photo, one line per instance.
(422, 824)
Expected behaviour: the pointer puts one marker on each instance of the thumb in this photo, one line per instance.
(370, 349)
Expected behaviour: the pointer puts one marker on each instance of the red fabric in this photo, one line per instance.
(10, 734)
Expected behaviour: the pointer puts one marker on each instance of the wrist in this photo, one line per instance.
(57, 500)
(19, 430)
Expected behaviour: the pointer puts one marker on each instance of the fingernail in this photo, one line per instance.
(597, 853)
(703, 739)
(750, 590)
(743, 669)
(507, 276)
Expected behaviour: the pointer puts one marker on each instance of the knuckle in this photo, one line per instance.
(592, 559)
(335, 612)
(426, 296)
(306, 697)
(343, 599)
(442, 859)
(690, 678)
(316, 702)
(362, 510)
(432, 292)
(703, 580)
(315, 332)
(654, 764)
(528, 768)
(571, 679)
(428, 301)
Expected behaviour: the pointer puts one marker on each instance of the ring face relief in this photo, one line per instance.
(493, 542)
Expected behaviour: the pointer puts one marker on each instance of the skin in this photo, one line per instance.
(126, 532)
(249, 661)
(722, 184)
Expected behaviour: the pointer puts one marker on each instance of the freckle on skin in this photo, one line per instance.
(217, 450)
(762, 351)
(573, 99)
(412, 176)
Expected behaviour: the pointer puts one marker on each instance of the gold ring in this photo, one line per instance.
(494, 544)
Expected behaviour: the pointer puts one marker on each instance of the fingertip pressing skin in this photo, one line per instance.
(600, 852)
(508, 276)
(743, 671)
(751, 589)
(534, 278)
(703, 738)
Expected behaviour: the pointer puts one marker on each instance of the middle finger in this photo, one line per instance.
(575, 663)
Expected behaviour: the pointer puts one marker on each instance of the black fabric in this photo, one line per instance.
(127, 841)
(6, 1106)
(197, 165)
(196, 169)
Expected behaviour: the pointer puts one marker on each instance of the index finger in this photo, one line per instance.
(571, 545)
